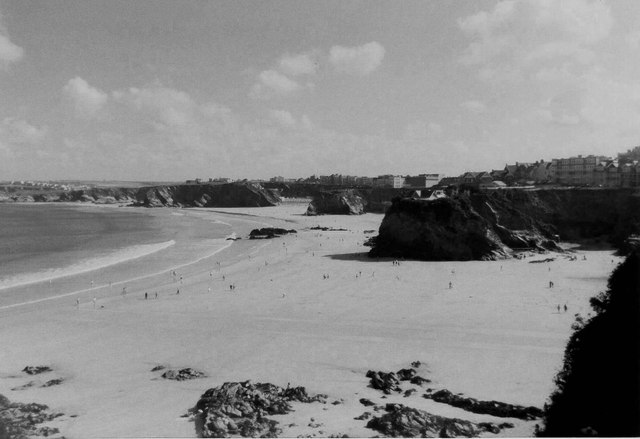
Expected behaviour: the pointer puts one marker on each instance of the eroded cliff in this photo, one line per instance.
(493, 225)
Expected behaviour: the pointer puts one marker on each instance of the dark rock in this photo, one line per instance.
(387, 382)
(409, 392)
(405, 374)
(339, 202)
(22, 420)
(328, 229)
(25, 386)
(35, 370)
(157, 368)
(269, 232)
(241, 409)
(403, 421)
(418, 380)
(53, 382)
(183, 374)
(366, 402)
(493, 408)
(416, 364)
(363, 417)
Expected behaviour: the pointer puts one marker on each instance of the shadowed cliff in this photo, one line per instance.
(598, 387)
(491, 225)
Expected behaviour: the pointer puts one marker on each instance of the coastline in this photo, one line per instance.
(498, 339)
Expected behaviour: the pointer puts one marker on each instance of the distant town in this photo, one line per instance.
(582, 171)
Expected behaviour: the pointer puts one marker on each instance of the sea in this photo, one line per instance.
(47, 242)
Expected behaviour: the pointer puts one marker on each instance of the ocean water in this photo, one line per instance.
(40, 242)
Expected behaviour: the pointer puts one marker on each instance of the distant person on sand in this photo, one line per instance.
(550, 284)
(558, 308)
(94, 303)
(146, 296)
(565, 307)
(78, 303)
(178, 292)
(156, 294)
(450, 285)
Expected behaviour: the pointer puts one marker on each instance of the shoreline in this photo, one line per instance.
(500, 338)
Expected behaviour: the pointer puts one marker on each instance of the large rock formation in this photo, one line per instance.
(340, 202)
(22, 420)
(206, 195)
(403, 421)
(492, 225)
(241, 409)
(444, 229)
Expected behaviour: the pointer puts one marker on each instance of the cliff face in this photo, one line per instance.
(225, 195)
(491, 225)
(445, 229)
(341, 202)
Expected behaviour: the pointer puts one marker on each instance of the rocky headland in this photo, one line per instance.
(489, 226)
(339, 202)
(242, 194)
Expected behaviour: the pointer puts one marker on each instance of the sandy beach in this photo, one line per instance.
(309, 309)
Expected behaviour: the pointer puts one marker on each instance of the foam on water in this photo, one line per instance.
(90, 264)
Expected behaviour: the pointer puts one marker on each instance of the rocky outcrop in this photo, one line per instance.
(390, 382)
(242, 408)
(182, 374)
(492, 225)
(206, 195)
(493, 408)
(269, 232)
(339, 202)
(20, 420)
(443, 229)
(35, 370)
(403, 421)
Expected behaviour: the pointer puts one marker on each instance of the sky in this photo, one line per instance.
(174, 90)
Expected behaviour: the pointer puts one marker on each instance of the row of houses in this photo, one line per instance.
(419, 181)
(591, 170)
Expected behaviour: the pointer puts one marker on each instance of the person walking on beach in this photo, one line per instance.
(94, 303)
(558, 309)
(178, 292)
(450, 285)
(156, 294)
(78, 303)
(146, 296)
(550, 284)
(565, 307)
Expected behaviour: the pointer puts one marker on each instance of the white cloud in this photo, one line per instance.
(19, 132)
(474, 106)
(522, 35)
(358, 61)
(302, 64)
(9, 52)
(271, 82)
(87, 100)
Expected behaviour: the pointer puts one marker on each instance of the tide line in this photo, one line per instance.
(227, 244)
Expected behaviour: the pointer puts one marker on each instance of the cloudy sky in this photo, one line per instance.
(160, 90)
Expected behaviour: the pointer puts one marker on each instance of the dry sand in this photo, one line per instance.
(496, 334)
